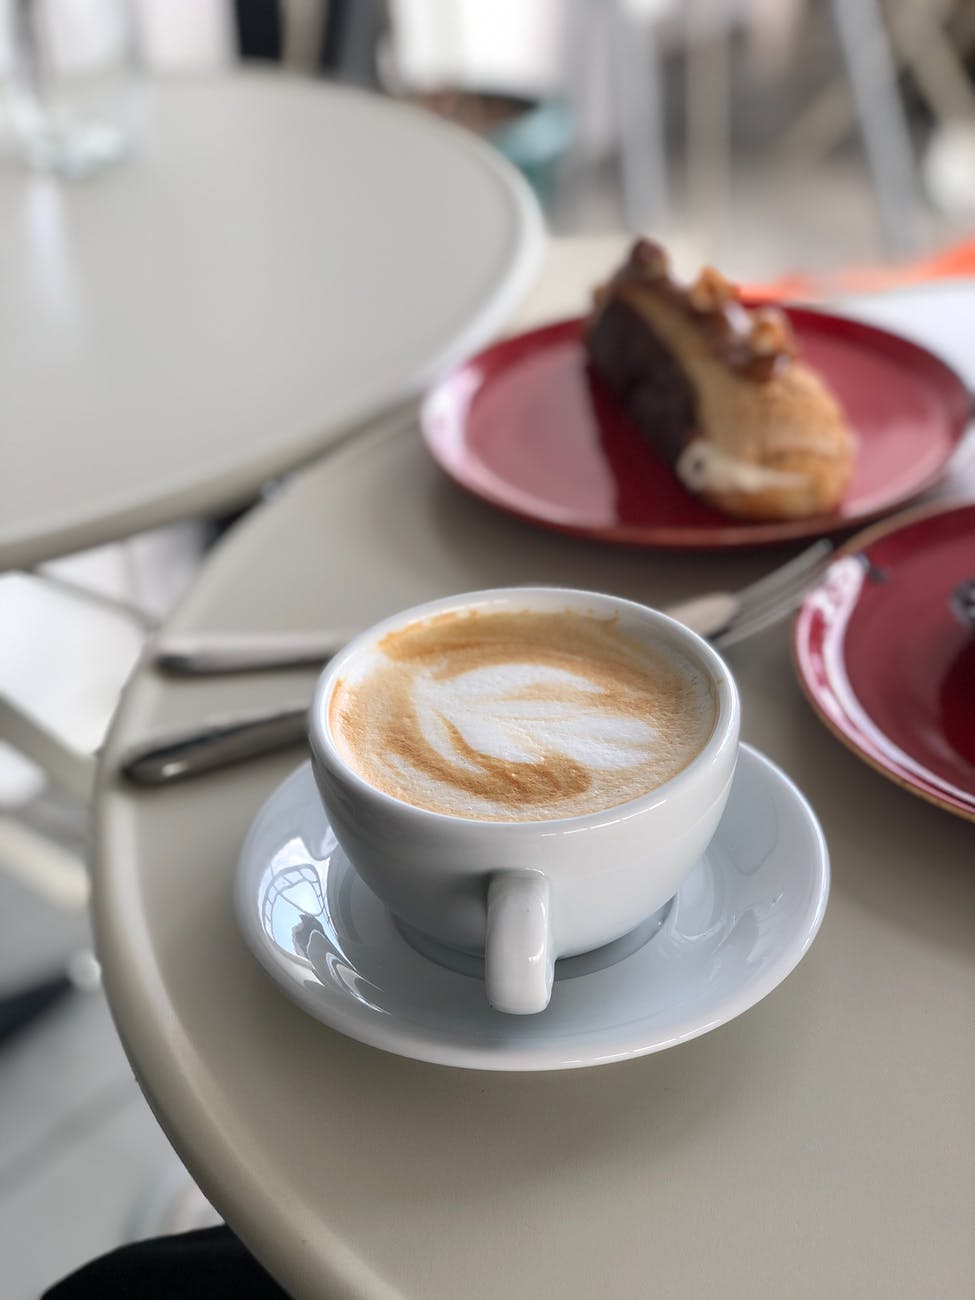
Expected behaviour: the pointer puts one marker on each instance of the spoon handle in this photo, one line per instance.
(215, 653)
(219, 743)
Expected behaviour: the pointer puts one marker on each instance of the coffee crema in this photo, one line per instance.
(519, 715)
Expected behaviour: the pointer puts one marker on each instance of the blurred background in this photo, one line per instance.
(762, 134)
(822, 144)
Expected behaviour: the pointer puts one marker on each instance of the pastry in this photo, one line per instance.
(719, 390)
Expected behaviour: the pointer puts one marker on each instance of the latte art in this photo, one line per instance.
(519, 716)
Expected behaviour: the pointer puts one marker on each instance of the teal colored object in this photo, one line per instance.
(536, 142)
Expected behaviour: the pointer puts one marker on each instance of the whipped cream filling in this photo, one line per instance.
(703, 467)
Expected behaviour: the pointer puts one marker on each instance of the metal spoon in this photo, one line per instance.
(962, 602)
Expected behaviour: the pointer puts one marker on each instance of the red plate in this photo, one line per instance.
(886, 663)
(527, 427)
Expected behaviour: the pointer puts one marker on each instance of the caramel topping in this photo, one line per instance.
(711, 291)
(770, 333)
(755, 343)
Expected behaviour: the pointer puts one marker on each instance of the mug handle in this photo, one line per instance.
(519, 965)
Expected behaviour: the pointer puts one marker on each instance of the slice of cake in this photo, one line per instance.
(718, 389)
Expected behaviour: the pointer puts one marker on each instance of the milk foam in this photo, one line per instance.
(489, 709)
(524, 716)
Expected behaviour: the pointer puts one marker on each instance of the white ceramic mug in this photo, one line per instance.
(526, 893)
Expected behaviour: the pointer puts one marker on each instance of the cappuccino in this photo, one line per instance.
(519, 715)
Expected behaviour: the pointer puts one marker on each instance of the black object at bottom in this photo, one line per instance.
(20, 1009)
(210, 1264)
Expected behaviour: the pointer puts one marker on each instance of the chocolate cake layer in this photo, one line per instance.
(644, 374)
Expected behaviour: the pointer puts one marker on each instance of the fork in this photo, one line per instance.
(725, 617)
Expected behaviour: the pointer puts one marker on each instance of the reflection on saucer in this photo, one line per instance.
(740, 922)
(566, 968)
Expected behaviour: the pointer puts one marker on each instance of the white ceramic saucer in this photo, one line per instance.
(739, 924)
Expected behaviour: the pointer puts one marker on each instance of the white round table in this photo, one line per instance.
(281, 261)
(821, 1145)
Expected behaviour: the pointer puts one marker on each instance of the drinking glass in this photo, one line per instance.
(77, 87)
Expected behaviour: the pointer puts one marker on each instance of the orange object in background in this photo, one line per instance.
(956, 261)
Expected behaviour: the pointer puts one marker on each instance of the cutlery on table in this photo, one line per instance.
(724, 617)
(215, 654)
(963, 603)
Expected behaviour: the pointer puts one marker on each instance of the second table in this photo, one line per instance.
(822, 1144)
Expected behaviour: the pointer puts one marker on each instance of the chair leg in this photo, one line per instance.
(883, 124)
(938, 69)
(21, 1009)
(69, 767)
(639, 106)
(142, 618)
(45, 866)
(708, 99)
